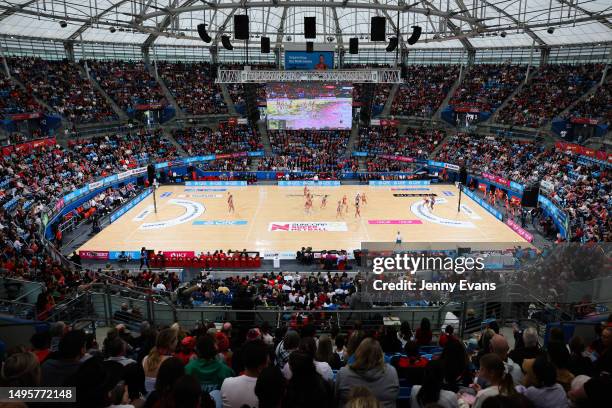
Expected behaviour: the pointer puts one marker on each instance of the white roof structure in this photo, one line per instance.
(445, 23)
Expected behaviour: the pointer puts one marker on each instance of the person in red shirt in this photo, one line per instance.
(447, 335)
(423, 334)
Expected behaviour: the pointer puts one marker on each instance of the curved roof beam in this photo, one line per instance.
(456, 30)
(310, 3)
(95, 18)
(528, 30)
(9, 11)
(165, 22)
(594, 15)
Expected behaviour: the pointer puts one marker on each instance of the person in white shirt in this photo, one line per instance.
(308, 345)
(237, 392)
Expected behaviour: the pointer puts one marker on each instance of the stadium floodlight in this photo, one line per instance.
(112, 29)
(550, 30)
(63, 24)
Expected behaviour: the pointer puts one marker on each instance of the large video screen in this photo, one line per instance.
(309, 105)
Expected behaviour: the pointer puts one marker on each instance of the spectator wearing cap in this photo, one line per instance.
(185, 351)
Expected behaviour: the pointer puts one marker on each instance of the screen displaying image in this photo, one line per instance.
(309, 105)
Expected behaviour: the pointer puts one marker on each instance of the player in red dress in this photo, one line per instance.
(230, 202)
(363, 198)
(324, 201)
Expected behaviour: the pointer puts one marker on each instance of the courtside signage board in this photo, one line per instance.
(399, 182)
(235, 183)
(290, 226)
(302, 183)
(117, 214)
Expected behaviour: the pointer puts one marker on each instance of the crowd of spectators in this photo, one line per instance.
(319, 151)
(552, 89)
(119, 152)
(579, 187)
(193, 87)
(424, 89)
(598, 106)
(242, 364)
(225, 139)
(62, 86)
(13, 99)
(486, 86)
(128, 83)
(414, 144)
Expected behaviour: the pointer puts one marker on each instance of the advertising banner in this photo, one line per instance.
(519, 230)
(399, 182)
(302, 60)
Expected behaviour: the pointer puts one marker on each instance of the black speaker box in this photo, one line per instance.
(265, 45)
(225, 41)
(378, 29)
(530, 195)
(393, 41)
(309, 47)
(310, 27)
(354, 45)
(416, 34)
(241, 27)
(203, 34)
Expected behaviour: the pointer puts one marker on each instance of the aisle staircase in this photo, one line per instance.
(353, 139)
(585, 95)
(450, 93)
(389, 103)
(168, 135)
(118, 111)
(228, 100)
(265, 139)
(505, 103)
(167, 94)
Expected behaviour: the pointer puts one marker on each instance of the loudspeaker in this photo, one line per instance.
(225, 41)
(309, 47)
(463, 175)
(378, 29)
(241, 27)
(354, 46)
(393, 41)
(203, 34)
(416, 34)
(310, 27)
(265, 45)
(150, 174)
(530, 195)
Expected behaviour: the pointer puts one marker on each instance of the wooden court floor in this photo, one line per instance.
(272, 218)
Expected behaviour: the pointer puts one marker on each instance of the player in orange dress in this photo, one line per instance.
(364, 200)
(339, 210)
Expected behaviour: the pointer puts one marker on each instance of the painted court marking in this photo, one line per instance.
(192, 210)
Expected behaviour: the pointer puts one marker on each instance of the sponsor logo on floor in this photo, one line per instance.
(394, 222)
(192, 211)
(412, 195)
(288, 226)
(448, 193)
(467, 210)
(410, 189)
(191, 190)
(143, 214)
(420, 210)
(200, 195)
(220, 222)
(166, 194)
